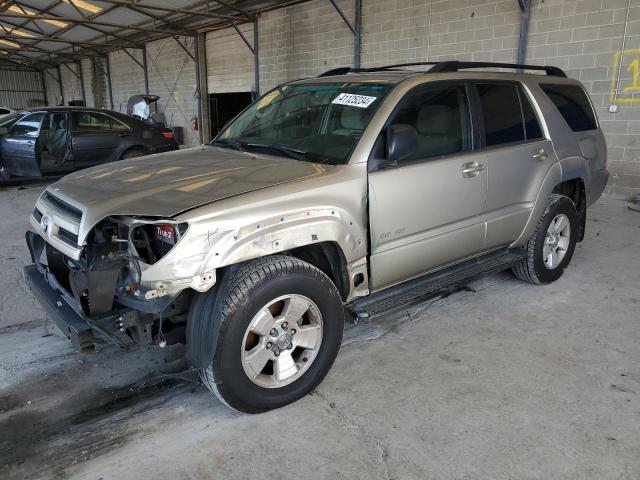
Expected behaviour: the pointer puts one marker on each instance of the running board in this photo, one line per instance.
(431, 285)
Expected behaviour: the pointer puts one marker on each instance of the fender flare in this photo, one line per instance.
(551, 179)
(202, 327)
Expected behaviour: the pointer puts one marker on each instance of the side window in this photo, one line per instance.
(441, 118)
(4, 111)
(28, 126)
(96, 121)
(573, 104)
(501, 112)
(532, 127)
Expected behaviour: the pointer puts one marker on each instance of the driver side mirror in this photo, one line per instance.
(402, 141)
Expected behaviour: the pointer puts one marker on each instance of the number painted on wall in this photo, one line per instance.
(628, 85)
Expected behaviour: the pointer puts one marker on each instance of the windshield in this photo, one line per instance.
(9, 120)
(313, 122)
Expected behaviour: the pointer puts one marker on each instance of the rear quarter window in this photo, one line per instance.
(573, 104)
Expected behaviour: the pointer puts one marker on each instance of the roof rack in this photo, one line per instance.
(447, 66)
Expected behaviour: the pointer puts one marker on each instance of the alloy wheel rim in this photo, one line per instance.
(282, 341)
(556, 241)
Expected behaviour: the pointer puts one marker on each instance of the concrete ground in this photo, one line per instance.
(500, 381)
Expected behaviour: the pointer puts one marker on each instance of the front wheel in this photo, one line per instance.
(281, 327)
(551, 246)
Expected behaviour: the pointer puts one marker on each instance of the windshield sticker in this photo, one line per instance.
(353, 100)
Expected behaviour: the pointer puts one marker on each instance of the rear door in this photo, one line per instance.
(96, 138)
(518, 157)
(428, 210)
(20, 147)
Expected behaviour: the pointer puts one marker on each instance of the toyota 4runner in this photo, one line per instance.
(357, 192)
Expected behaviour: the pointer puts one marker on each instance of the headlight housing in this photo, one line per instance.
(153, 240)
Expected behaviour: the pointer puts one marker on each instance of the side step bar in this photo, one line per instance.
(433, 284)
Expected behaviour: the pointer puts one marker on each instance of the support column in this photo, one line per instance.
(81, 78)
(60, 84)
(44, 88)
(202, 88)
(256, 58)
(525, 8)
(356, 39)
(108, 66)
(144, 69)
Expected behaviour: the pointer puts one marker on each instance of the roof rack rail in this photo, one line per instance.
(447, 66)
(454, 66)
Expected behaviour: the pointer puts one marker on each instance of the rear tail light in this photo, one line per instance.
(168, 135)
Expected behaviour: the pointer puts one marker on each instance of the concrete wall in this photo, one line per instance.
(52, 87)
(71, 85)
(172, 76)
(230, 63)
(303, 40)
(127, 77)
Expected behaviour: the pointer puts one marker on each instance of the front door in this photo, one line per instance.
(518, 158)
(428, 210)
(20, 147)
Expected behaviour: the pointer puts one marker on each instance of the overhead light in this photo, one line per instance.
(84, 5)
(2, 52)
(13, 31)
(25, 11)
(9, 43)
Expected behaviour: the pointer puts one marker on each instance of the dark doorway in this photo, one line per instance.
(225, 106)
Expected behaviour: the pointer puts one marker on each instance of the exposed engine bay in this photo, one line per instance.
(107, 284)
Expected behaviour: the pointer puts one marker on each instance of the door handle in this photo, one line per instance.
(30, 143)
(540, 154)
(472, 169)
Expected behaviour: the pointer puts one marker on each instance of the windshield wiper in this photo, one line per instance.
(235, 144)
(287, 151)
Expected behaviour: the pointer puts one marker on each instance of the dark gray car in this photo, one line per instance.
(56, 140)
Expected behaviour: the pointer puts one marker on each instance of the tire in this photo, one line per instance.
(133, 153)
(278, 282)
(537, 268)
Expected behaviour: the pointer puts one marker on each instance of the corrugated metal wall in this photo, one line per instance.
(20, 88)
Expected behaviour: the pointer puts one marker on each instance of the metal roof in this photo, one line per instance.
(44, 33)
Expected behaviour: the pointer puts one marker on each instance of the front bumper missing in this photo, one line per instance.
(63, 308)
(51, 296)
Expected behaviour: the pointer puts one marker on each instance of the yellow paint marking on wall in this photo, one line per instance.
(627, 86)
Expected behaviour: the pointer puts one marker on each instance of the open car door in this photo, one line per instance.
(20, 147)
(55, 144)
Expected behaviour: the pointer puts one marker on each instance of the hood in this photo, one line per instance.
(167, 184)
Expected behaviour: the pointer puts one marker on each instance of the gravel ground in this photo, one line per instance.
(502, 380)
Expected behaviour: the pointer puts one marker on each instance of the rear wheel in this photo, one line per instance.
(551, 246)
(280, 330)
(133, 153)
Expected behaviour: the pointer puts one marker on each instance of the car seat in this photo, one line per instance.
(439, 130)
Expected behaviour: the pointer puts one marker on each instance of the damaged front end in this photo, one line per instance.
(104, 290)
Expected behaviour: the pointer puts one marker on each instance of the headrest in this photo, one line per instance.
(437, 119)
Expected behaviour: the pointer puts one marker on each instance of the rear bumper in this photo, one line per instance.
(599, 180)
(55, 302)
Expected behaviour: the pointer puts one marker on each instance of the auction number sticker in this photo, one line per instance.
(353, 100)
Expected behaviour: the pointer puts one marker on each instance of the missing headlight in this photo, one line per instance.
(154, 240)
